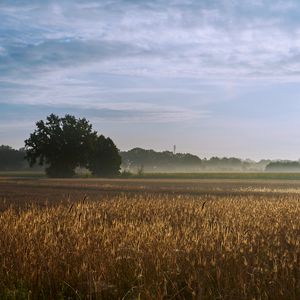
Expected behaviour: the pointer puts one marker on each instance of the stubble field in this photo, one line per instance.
(149, 239)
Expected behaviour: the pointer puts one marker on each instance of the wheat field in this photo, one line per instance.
(153, 246)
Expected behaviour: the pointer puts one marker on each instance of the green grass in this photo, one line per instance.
(223, 175)
(38, 174)
(208, 175)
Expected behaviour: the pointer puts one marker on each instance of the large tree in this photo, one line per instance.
(61, 144)
(105, 160)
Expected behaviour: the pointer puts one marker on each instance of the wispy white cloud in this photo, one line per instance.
(226, 39)
(216, 76)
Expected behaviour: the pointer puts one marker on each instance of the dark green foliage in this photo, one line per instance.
(152, 161)
(60, 143)
(105, 160)
(11, 159)
(283, 166)
(169, 162)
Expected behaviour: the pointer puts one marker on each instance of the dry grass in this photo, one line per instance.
(153, 246)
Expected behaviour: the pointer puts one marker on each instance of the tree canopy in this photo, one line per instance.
(62, 144)
(105, 159)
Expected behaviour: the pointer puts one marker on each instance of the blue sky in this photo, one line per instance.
(213, 77)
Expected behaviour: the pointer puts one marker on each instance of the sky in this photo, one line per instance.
(216, 78)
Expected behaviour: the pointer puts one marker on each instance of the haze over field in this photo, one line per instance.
(216, 78)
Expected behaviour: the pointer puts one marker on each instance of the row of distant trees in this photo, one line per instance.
(11, 159)
(141, 160)
(167, 161)
(60, 145)
(279, 166)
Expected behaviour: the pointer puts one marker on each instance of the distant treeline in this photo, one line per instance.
(14, 160)
(11, 159)
(138, 159)
(141, 160)
(148, 161)
(283, 166)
